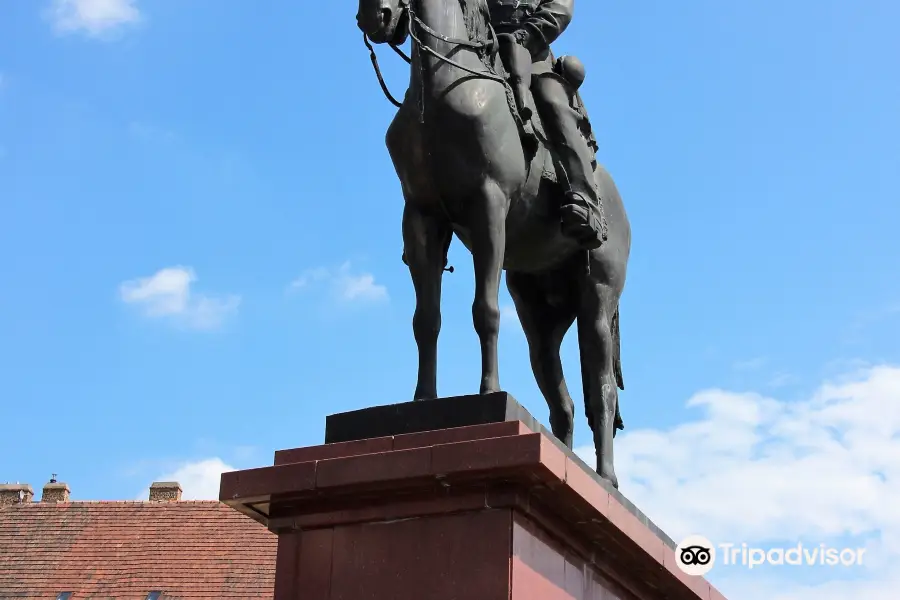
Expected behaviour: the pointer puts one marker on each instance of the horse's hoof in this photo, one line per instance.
(611, 479)
(609, 476)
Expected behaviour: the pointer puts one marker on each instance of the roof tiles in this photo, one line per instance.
(124, 550)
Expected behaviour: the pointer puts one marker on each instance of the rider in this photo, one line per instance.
(529, 27)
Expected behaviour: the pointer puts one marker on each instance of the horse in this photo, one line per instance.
(465, 170)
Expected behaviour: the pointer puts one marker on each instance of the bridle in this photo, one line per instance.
(414, 22)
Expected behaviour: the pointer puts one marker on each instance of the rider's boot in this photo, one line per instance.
(581, 213)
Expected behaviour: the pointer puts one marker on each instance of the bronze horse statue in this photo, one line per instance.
(466, 169)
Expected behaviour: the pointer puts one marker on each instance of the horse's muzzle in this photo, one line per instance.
(376, 24)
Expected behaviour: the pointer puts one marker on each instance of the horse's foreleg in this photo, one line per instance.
(425, 238)
(488, 219)
(595, 341)
(545, 326)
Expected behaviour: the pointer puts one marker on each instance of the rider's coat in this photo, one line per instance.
(543, 20)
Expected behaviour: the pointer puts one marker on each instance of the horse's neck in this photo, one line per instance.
(446, 18)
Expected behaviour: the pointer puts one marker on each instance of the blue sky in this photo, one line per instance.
(200, 254)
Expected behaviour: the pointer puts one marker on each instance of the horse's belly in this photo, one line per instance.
(537, 247)
(531, 247)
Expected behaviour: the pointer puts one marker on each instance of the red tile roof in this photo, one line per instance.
(124, 550)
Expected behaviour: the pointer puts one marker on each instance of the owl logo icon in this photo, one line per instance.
(695, 555)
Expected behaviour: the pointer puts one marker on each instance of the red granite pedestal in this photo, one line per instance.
(494, 511)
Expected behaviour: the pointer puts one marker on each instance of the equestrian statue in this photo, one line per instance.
(492, 143)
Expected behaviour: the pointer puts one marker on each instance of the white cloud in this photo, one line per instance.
(871, 318)
(763, 471)
(508, 314)
(199, 480)
(783, 379)
(343, 284)
(94, 18)
(246, 453)
(168, 294)
(752, 364)
(509, 318)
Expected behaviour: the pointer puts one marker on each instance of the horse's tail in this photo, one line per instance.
(617, 350)
(617, 366)
(617, 371)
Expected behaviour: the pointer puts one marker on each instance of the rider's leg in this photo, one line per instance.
(582, 213)
(517, 62)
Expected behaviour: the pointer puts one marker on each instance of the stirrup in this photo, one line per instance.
(590, 229)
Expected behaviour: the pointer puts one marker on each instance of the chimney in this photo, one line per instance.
(15, 493)
(165, 491)
(55, 491)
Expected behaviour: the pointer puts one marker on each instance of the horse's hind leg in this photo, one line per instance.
(545, 327)
(425, 241)
(598, 303)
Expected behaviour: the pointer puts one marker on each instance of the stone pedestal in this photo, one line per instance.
(452, 499)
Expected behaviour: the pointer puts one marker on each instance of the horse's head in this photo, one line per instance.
(384, 20)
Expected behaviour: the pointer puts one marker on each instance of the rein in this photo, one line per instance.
(415, 21)
(374, 59)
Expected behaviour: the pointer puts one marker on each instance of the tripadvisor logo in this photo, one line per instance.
(696, 555)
